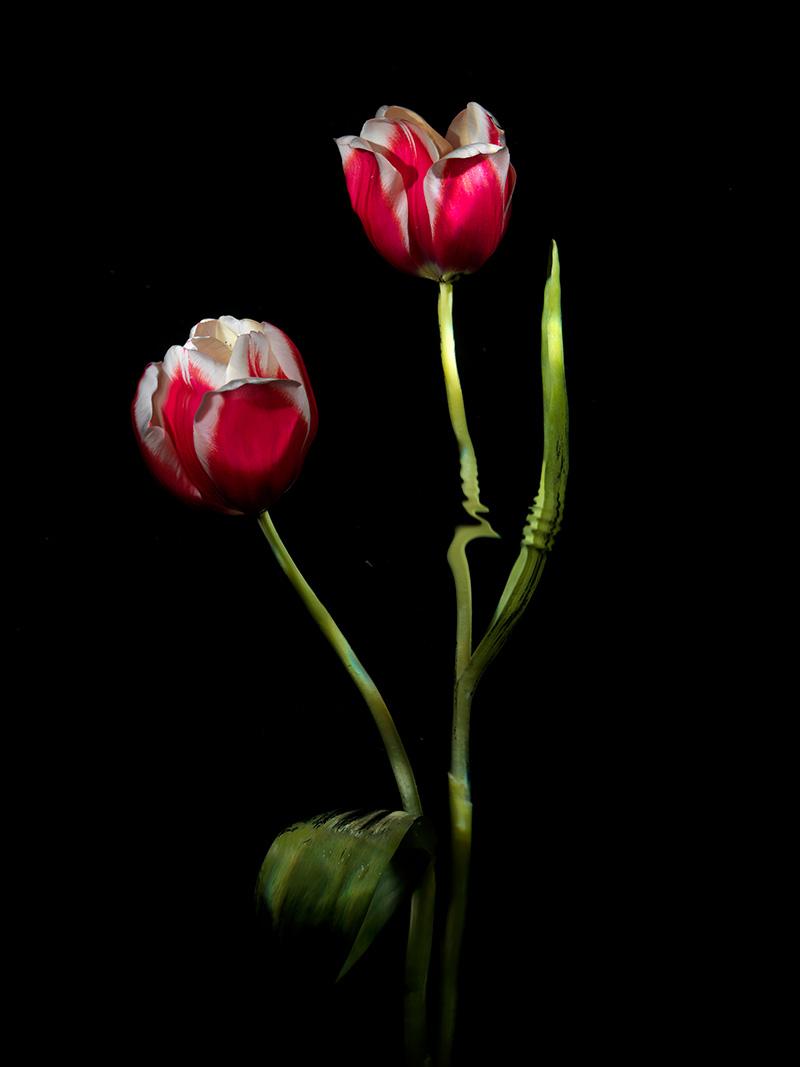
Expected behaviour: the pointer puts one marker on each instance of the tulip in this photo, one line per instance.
(226, 420)
(431, 205)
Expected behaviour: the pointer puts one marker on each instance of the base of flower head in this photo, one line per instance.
(436, 274)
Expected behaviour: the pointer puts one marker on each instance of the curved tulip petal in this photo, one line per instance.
(404, 114)
(251, 438)
(291, 366)
(252, 357)
(213, 339)
(475, 125)
(240, 326)
(411, 152)
(409, 147)
(378, 196)
(216, 338)
(466, 196)
(185, 377)
(156, 444)
(270, 354)
(511, 181)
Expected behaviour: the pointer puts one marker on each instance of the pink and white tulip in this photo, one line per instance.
(431, 205)
(226, 420)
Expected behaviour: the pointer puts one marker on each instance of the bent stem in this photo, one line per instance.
(421, 923)
(395, 750)
(460, 802)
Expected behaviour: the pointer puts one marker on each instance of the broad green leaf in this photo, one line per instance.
(338, 878)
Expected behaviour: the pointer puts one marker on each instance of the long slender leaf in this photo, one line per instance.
(544, 517)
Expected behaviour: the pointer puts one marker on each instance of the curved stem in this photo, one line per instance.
(457, 554)
(420, 932)
(395, 750)
(458, 415)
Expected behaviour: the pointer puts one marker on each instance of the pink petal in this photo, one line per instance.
(466, 195)
(511, 181)
(407, 144)
(412, 153)
(378, 197)
(251, 438)
(269, 353)
(403, 114)
(291, 366)
(183, 380)
(156, 444)
(252, 357)
(475, 125)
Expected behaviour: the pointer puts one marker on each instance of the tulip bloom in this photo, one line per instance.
(432, 205)
(226, 420)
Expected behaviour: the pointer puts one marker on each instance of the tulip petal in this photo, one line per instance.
(240, 326)
(216, 338)
(403, 114)
(378, 196)
(475, 125)
(408, 145)
(251, 438)
(252, 357)
(511, 181)
(292, 367)
(466, 196)
(412, 153)
(186, 376)
(270, 354)
(156, 444)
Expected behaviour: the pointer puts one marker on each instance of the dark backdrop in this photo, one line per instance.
(181, 709)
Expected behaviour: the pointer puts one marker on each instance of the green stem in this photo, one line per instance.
(418, 956)
(395, 750)
(458, 415)
(420, 933)
(461, 847)
(457, 554)
(460, 802)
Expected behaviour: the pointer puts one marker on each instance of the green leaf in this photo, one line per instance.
(544, 518)
(336, 880)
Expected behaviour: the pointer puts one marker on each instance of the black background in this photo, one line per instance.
(179, 707)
